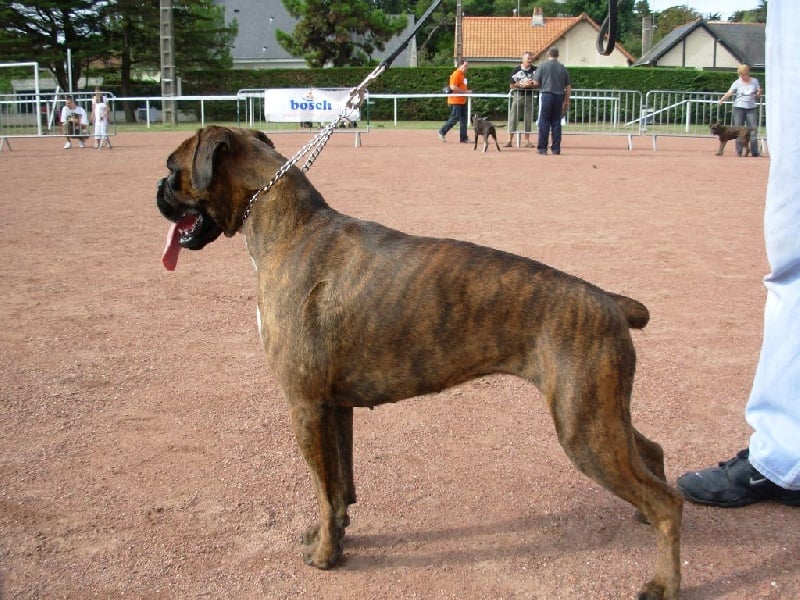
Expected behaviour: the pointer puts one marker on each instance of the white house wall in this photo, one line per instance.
(698, 50)
(579, 49)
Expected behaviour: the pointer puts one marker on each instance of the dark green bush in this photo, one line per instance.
(421, 80)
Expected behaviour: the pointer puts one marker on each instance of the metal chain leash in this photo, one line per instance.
(318, 142)
(354, 101)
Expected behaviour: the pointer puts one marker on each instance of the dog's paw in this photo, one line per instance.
(310, 536)
(319, 562)
(324, 556)
(639, 516)
(655, 591)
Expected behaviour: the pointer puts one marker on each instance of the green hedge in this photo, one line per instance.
(431, 80)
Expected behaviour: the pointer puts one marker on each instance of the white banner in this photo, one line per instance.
(309, 104)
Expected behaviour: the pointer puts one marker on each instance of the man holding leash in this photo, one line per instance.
(769, 468)
(522, 87)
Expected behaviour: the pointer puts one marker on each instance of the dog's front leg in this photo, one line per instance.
(315, 427)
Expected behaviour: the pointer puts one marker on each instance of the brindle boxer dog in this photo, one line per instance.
(726, 133)
(354, 314)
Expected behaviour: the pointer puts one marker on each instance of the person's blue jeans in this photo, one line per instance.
(748, 116)
(549, 122)
(458, 114)
(773, 410)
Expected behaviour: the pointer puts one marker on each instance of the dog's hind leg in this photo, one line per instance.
(651, 453)
(653, 457)
(745, 139)
(344, 438)
(595, 430)
(318, 435)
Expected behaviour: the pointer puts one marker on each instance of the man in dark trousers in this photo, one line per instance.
(457, 103)
(555, 87)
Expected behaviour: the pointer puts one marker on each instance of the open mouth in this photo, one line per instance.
(187, 228)
(193, 230)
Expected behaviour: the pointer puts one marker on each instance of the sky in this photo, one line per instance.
(704, 7)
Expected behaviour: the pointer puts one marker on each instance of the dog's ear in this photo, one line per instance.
(210, 141)
(262, 137)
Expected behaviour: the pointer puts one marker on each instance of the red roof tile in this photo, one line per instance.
(507, 37)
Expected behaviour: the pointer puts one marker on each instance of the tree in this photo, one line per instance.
(673, 17)
(202, 38)
(632, 39)
(757, 15)
(121, 34)
(338, 32)
(46, 30)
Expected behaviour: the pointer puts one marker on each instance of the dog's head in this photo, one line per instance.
(212, 176)
(717, 128)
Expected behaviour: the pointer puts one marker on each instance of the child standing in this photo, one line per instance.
(100, 120)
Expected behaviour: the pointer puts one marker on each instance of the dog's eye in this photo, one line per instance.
(174, 180)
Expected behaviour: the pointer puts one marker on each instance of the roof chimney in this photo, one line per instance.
(647, 34)
(537, 20)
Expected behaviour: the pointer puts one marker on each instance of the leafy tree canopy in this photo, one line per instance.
(43, 31)
(114, 32)
(338, 32)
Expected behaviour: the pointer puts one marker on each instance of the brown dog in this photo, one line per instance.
(353, 314)
(726, 133)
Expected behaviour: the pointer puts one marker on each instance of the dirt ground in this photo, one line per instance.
(145, 449)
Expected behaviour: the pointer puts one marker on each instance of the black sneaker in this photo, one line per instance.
(732, 484)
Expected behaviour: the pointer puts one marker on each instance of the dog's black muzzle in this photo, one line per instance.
(196, 227)
(166, 202)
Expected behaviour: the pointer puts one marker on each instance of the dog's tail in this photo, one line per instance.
(635, 312)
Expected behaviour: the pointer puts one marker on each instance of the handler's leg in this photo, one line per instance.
(773, 410)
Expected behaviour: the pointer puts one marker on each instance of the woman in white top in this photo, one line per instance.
(746, 91)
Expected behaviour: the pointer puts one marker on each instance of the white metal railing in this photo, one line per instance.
(592, 111)
(690, 114)
(31, 114)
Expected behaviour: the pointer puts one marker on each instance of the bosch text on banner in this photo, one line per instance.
(306, 104)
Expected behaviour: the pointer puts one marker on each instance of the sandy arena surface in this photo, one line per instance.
(145, 449)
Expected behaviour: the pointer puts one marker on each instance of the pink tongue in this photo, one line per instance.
(169, 257)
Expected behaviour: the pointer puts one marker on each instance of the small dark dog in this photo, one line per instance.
(484, 127)
(726, 133)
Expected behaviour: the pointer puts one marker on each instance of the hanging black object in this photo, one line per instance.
(609, 27)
